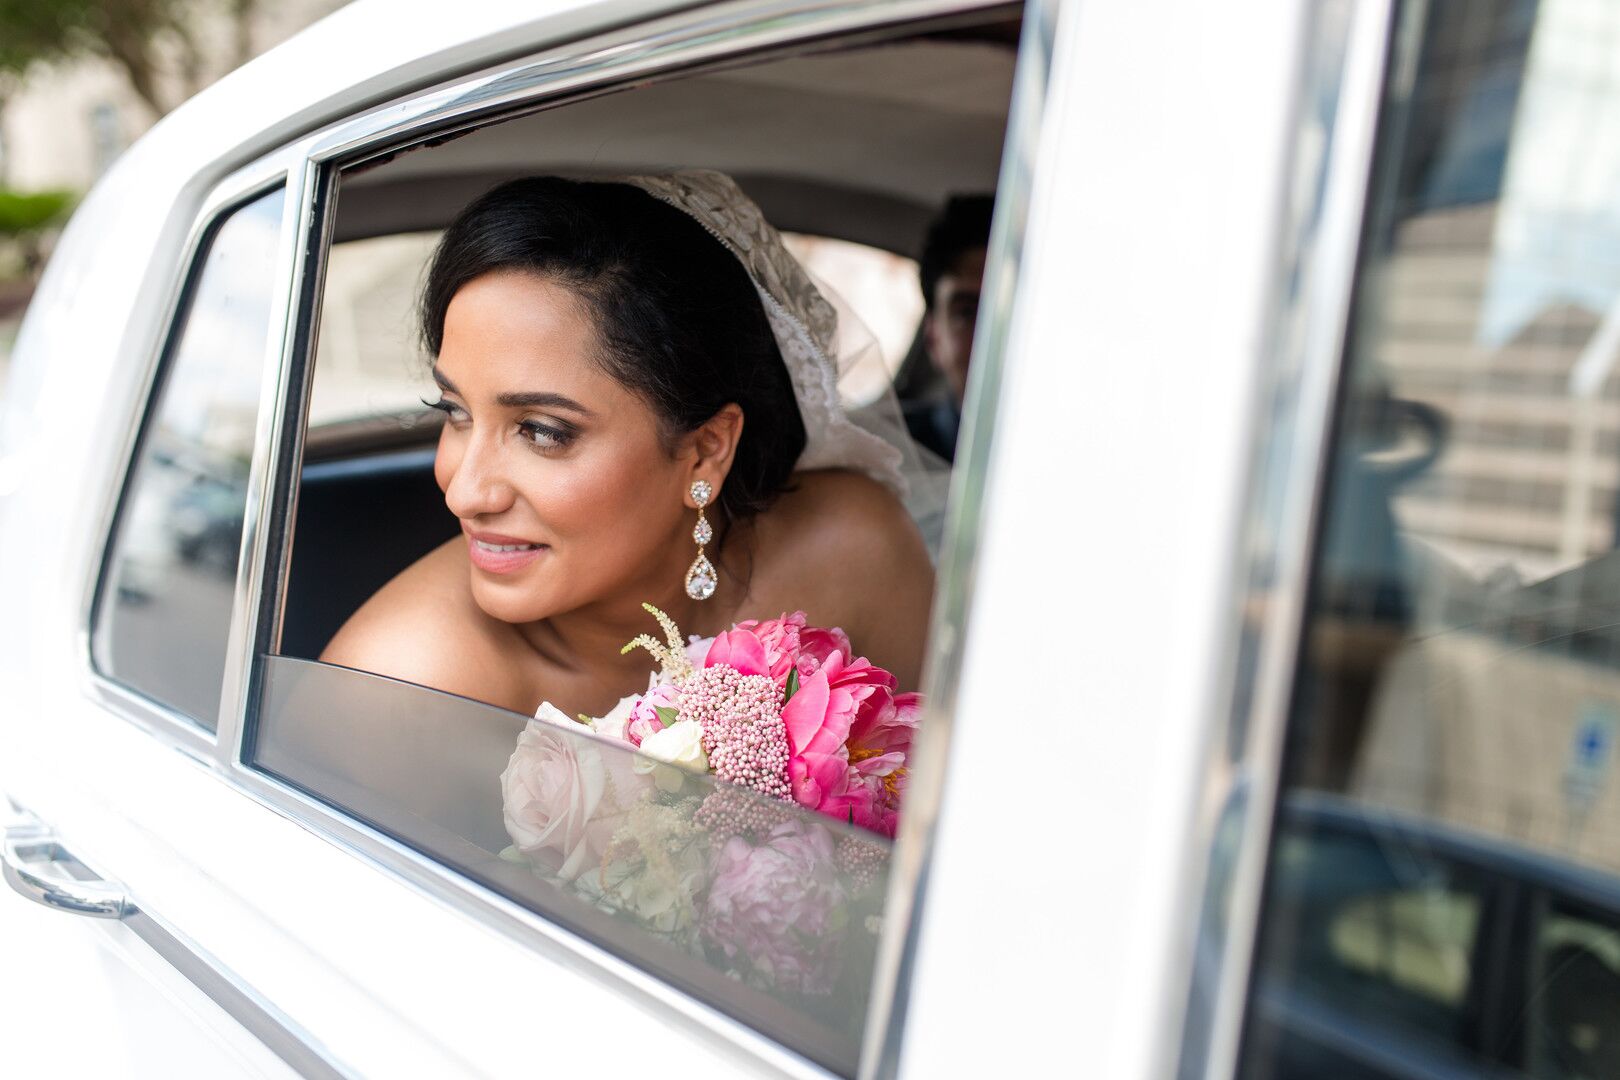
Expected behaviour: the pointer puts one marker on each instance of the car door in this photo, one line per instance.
(174, 776)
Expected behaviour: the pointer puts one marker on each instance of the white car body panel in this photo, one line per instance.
(380, 978)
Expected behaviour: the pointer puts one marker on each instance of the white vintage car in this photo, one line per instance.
(1271, 693)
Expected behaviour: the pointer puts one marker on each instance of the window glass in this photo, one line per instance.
(1458, 695)
(767, 910)
(165, 607)
(1574, 991)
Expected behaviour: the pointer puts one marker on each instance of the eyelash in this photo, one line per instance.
(538, 435)
(534, 432)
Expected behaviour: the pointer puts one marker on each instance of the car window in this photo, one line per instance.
(760, 908)
(164, 609)
(1383, 941)
(1573, 986)
(1458, 691)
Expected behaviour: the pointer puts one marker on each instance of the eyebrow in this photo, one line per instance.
(516, 400)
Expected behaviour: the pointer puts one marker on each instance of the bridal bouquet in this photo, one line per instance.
(777, 706)
(694, 837)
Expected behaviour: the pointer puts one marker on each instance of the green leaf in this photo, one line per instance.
(792, 685)
(666, 714)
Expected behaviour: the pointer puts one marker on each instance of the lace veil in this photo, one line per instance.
(820, 340)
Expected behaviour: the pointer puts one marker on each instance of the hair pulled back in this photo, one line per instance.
(678, 317)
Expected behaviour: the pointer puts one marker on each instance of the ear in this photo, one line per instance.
(710, 448)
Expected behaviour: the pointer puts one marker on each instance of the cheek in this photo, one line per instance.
(610, 500)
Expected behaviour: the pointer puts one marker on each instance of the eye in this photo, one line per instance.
(544, 436)
(450, 409)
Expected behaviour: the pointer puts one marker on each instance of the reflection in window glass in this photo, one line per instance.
(1458, 701)
(764, 909)
(165, 608)
(1574, 1026)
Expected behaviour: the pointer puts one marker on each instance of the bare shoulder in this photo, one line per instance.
(842, 547)
(424, 627)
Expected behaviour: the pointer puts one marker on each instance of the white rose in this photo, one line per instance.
(681, 745)
(549, 712)
(612, 725)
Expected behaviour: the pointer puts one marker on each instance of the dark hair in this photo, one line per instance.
(680, 321)
(963, 225)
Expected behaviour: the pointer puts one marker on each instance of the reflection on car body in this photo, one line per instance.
(1273, 674)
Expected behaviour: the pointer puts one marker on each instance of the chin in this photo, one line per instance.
(510, 602)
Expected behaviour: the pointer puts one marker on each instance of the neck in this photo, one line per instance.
(585, 643)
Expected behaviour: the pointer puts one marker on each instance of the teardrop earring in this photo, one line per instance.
(701, 578)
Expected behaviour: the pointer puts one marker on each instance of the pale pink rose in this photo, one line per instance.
(644, 719)
(770, 908)
(552, 795)
(697, 648)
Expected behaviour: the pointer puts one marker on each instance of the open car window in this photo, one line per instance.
(759, 908)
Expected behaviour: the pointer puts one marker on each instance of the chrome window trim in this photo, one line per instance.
(1316, 265)
(665, 45)
(263, 475)
(163, 722)
(958, 566)
(681, 42)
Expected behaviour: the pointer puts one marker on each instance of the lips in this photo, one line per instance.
(495, 553)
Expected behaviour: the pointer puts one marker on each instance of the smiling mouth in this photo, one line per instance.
(503, 554)
(483, 546)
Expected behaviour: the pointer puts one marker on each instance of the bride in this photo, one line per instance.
(640, 406)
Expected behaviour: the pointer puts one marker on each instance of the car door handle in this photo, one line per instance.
(30, 845)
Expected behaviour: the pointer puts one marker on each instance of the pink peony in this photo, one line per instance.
(818, 719)
(849, 734)
(817, 643)
(779, 638)
(770, 908)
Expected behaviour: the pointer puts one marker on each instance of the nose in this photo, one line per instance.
(469, 470)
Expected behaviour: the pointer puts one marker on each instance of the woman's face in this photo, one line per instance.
(566, 494)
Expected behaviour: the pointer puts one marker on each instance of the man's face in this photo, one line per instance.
(948, 326)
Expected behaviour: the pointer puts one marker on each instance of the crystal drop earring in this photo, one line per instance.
(701, 578)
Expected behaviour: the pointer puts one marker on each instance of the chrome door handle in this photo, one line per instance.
(31, 844)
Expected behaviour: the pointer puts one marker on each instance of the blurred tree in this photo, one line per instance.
(26, 219)
(163, 46)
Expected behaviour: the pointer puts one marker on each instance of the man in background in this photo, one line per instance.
(951, 271)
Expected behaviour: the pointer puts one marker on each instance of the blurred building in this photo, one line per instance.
(69, 120)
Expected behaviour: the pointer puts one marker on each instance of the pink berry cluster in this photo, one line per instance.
(743, 733)
(861, 861)
(727, 812)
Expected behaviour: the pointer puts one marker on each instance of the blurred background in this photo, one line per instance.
(82, 79)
